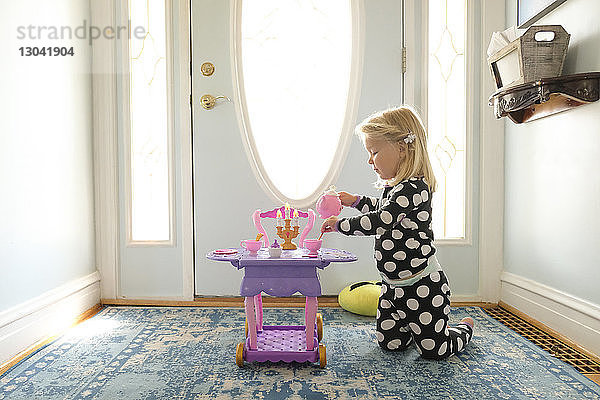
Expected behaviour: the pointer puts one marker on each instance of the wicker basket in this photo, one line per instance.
(539, 53)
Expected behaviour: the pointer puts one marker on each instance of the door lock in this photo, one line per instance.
(207, 69)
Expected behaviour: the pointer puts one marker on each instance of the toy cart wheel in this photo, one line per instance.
(239, 354)
(322, 356)
(319, 326)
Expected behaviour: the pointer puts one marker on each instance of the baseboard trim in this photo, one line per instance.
(46, 315)
(575, 319)
(474, 298)
(268, 301)
(36, 346)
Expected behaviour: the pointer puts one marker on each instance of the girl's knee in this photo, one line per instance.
(432, 350)
(390, 346)
(394, 344)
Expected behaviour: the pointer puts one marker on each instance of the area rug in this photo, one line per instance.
(189, 353)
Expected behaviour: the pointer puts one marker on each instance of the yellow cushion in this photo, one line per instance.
(361, 297)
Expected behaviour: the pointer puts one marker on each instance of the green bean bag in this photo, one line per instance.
(361, 298)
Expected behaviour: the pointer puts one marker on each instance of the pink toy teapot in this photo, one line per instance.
(329, 203)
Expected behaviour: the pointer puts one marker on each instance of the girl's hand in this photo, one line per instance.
(347, 199)
(329, 224)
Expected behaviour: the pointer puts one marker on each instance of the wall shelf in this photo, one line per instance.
(533, 100)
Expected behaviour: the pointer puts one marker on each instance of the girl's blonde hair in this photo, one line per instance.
(394, 126)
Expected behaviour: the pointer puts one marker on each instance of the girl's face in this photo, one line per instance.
(385, 157)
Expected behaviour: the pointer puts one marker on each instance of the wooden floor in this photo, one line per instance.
(268, 301)
(557, 345)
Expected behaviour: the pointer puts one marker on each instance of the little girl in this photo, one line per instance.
(414, 302)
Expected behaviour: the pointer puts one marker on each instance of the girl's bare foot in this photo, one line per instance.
(468, 320)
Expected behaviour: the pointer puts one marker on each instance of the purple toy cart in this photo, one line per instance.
(293, 272)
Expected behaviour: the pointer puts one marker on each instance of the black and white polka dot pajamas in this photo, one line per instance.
(415, 297)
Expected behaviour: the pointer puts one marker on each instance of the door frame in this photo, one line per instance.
(491, 181)
(105, 139)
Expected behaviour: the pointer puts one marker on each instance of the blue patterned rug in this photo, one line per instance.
(189, 353)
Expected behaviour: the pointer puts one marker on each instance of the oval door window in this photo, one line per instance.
(296, 85)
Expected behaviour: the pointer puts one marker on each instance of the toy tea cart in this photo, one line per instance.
(294, 271)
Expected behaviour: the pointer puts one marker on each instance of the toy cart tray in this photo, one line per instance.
(288, 257)
(282, 276)
(282, 343)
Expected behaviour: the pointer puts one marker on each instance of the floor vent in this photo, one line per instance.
(552, 345)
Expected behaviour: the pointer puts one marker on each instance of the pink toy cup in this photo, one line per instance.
(251, 245)
(313, 245)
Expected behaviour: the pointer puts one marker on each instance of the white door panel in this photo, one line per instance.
(226, 191)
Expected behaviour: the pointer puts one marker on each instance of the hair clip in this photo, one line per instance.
(410, 138)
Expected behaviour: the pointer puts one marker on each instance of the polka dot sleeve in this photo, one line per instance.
(366, 204)
(400, 200)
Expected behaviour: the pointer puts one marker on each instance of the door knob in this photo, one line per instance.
(208, 101)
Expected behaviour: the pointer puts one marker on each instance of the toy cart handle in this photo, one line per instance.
(308, 227)
(259, 227)
(258, 214)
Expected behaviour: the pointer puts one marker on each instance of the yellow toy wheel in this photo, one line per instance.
(239, 354)
(246, 327)
(322, 356)
(319, 326)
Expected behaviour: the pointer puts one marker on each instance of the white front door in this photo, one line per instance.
(226, 188)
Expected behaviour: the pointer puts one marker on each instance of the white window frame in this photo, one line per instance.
(415, 91)
(341, 152)
(125, 102)
(491, 18)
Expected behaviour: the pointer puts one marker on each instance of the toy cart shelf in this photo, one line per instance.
(293, 272)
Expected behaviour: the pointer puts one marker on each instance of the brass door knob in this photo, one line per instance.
(209, 101)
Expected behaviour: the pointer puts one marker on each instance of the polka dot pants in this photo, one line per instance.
(419, 313)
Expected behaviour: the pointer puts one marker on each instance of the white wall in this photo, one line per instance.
(46, 206)
(552, 233)
(552, 187)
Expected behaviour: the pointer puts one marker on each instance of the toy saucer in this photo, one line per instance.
(226, 251)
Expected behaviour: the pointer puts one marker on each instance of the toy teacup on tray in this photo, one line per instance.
(313, 246)
(251, 245)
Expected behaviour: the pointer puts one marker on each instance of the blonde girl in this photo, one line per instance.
(415, 297)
